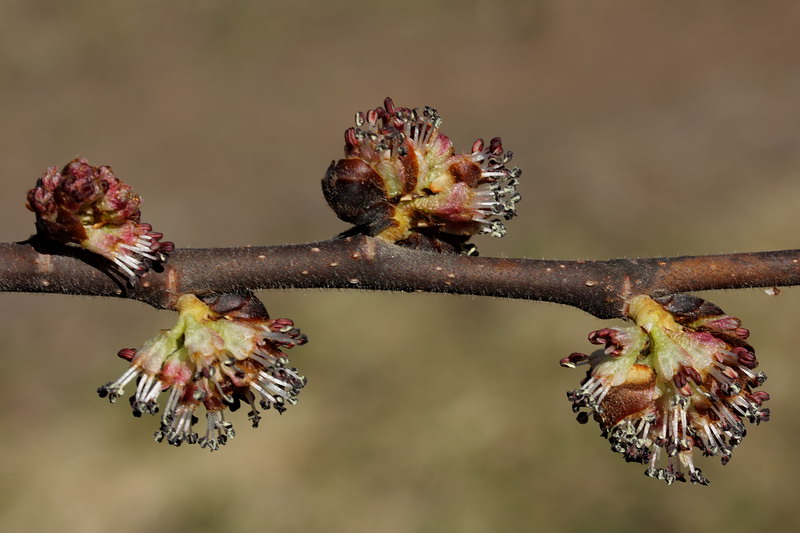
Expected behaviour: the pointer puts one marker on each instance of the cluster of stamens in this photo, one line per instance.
(89, 206)
(682, 378)
(216, 360)
(495, 199)
(401, 175)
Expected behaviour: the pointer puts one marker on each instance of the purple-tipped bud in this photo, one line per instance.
(89, 206)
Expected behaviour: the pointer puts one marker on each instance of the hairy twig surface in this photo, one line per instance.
(597, 287)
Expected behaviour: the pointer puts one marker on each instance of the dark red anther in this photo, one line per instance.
(350, 137)
(372, 116)
(609, 337)
(496, 146)
(745, 357)
(127, 353)
(601, 336)
(692, 373)
(572, 360)
(280, 323)
(389, 105)
(681, 382)
(477, 146)
(759, 397)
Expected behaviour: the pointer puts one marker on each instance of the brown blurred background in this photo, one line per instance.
(643, 128)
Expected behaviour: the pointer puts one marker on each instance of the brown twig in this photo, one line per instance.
(597, 287)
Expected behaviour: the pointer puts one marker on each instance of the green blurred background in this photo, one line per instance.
(643, 128)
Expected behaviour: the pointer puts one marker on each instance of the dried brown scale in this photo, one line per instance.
(466, 172)
(630, 398)
(351, 184)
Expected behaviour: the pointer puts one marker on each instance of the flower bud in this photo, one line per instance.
(401, 177)
(220, 354)
(91, 207)
(681, 378)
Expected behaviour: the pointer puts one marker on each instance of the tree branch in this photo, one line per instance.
(597, 287)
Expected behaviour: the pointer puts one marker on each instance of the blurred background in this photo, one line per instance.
(643, 128)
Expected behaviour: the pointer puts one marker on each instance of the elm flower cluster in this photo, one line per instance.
(402, 181)
(89, 206)
(682, 378)
(215, 358)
